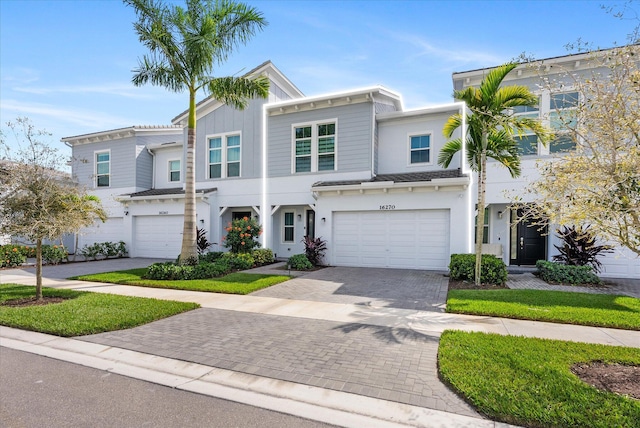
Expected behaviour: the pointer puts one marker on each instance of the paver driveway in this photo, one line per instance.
(393, 288)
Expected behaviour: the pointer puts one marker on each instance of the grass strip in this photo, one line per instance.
(234, 283)
(83, 312)
(528, 382)
(600, 310)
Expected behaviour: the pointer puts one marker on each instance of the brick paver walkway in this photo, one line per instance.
(396, 364)
(629, 287)
(394, 288)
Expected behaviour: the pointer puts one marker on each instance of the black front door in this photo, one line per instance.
(311, 224)
(528, 244)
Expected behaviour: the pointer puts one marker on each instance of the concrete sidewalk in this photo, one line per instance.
(342, 363)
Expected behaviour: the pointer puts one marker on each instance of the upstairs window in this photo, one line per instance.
(314, 147)
(562, 115)
(420, 150)
(103, 169)
(527, 143)
(174, 170)
(224, 156)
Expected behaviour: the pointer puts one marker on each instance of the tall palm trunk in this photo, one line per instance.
(482, 179)
(188, 252)
(38, 269)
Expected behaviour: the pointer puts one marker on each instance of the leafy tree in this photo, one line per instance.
(37, 200)
(185, 46)
(491, 132)
(598, 183)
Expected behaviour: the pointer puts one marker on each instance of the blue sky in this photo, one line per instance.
(66, 64)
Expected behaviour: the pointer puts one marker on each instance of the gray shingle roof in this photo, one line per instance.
(411, 177)
(167, 192)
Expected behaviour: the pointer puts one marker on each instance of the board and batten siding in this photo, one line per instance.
(353, 139)
(226, 119)
(122, 162)
(144, 168)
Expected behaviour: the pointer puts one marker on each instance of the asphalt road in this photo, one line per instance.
(39, 392)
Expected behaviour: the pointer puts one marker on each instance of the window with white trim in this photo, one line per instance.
(288, 232)
(419, 149)
(224, 156)
(174, 170)
(562, 114)
(528, 142)
(103, 168)
(314, 147)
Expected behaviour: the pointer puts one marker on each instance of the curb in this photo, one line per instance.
(309, 402)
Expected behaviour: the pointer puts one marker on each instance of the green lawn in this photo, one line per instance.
(601, 310)
(83, 312)
(528, 382)
(234, 283)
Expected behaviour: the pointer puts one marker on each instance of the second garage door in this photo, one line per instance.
(158, 236)
(394, 239)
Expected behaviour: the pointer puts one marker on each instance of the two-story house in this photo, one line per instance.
(354, 168)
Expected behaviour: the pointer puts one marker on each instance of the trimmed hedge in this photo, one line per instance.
(263, 256)
(300, 262)
(493, 270)
(566, 274)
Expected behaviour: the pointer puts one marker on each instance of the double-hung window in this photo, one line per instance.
(419, 149)
(224, 156)
(527, 143)
(562, 115)
(289, 227)
(314, 147)
(103, 169)
(174, 171)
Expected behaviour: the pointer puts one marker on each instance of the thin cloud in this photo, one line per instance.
(20, 75)
(126, 91)
(81, 118)
(450, 54)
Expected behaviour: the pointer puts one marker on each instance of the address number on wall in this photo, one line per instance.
(387, 207)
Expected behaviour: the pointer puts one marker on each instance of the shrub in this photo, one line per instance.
(242, 235)
(27, 251)
(54, 254)
(579, 248)
(566, 274)
(314, 249)
(262, 256)
(91, 251)
(11, 256)
(202, 241)
(300, 262)
(240, 261)
(104, 249)
(493, 270)
(211, 257)
(173, 272)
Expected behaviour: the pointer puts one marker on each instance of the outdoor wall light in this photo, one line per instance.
(202, 220)
(126, 213)
(299, 217)
(499, 214)
(324, 219)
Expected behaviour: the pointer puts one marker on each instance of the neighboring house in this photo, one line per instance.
(354, 168)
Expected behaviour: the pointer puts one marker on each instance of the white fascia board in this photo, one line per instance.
(116, 134)
(423, 111)
(337, 95)
(170, 145)
(441, 182)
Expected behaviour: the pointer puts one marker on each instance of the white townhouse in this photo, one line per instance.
(354, 168)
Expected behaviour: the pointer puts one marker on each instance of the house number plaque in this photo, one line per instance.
(387, 207)
(163, 212)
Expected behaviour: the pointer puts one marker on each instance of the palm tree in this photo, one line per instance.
(185, 46)
(492, 128)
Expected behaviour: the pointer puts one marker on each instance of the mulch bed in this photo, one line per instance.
(31, 301)
(616, 378)
(466, 285)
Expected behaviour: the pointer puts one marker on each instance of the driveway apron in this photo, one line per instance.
(394, 363)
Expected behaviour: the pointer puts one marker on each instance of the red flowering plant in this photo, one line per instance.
(242, 235)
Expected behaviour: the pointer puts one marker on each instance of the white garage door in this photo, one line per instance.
(622, 263)
(394, 239)
(109, 231)
(157, 236)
